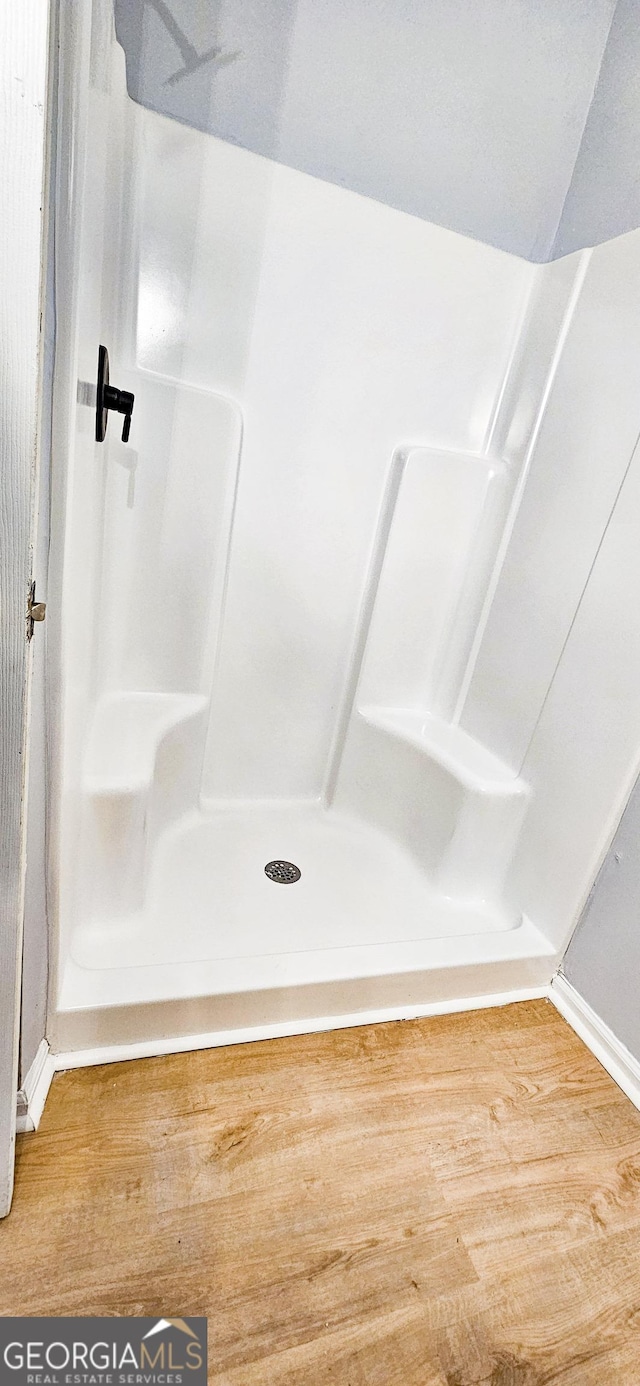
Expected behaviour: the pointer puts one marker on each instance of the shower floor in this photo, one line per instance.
(209, 897)
(221, 952)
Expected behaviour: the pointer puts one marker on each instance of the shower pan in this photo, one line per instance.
(276, 802)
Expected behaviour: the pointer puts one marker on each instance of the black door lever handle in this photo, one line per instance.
(107, 397)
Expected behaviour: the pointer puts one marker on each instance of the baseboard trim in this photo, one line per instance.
(607, 1048)
(147, 1049)
(33, 1093)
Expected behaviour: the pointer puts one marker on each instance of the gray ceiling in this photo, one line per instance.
(511, 121)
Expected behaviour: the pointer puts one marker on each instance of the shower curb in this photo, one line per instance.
(619, 1063)
(145, 1049)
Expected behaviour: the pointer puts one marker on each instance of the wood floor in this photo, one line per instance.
(444, 1202)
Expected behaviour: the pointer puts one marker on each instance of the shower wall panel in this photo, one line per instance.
(587, 436)
(342, 328)
(555, 687)
(584, 756)
(91, 277)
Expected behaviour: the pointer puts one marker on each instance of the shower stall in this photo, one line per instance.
(343, 704)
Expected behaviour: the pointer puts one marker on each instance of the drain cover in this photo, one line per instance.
(283, 872)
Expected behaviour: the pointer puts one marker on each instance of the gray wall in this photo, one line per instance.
(468, 114)
(603, 958)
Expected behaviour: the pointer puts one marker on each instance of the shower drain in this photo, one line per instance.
(283, 872)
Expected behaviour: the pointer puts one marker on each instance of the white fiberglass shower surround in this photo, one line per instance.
(289, 619)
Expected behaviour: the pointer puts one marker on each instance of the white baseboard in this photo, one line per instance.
(147, 1049)
(612, 1054)
(33, 1093)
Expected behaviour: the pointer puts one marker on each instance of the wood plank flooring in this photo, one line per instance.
(443, 1202)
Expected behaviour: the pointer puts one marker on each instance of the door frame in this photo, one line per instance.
(24, 30)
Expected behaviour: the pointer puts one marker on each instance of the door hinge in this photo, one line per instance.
(36, 611)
